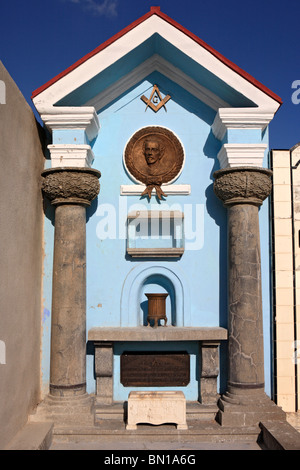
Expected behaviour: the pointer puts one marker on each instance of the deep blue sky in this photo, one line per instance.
(40, 38)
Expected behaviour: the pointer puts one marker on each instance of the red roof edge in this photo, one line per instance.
(155, 10)
(95, 51)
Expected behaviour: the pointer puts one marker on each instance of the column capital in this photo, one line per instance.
(243, 185)
(71, 185)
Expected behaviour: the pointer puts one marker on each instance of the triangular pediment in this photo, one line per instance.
(154, 43)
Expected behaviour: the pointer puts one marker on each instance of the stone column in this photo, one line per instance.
(70, 190)
(242, 190)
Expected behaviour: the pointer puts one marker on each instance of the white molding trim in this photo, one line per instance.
(233, 155)
(157, 63)
(72, 118)
(240, 118)
(169, 189)
(132, 39)
(63, 155)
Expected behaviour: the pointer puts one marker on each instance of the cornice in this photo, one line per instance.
(71, 118)
(240, 118)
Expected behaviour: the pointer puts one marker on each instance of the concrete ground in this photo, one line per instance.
(152, 441)
(199, 436)
(114, 440)
(103, 443)
(294, 420)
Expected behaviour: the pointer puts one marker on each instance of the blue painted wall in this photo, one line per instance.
(202, 268)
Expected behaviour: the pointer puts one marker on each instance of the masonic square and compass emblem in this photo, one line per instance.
(155, 102)
(154, 156)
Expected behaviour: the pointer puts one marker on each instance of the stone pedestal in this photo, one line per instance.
(70, 190)
(242, 191)
(156, 408)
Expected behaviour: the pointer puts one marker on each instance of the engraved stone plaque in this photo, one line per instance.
(150, 369)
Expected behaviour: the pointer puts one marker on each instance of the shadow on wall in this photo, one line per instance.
(218, 212)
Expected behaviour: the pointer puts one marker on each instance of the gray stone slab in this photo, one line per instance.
(147, 333)
(33, 436)
(113, 435)
(280, 436)
(152, 444)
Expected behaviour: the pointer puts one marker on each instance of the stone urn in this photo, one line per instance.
(156, 308)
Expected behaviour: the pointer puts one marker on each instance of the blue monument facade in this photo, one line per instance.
(156, 74)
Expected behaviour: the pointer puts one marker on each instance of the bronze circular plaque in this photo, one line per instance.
(154, 156)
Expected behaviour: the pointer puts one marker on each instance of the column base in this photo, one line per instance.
(69, 391)
(65, 410)
(247, 408)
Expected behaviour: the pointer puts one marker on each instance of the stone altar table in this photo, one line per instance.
(103, 338)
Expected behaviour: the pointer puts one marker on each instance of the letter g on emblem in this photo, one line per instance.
(155, 97)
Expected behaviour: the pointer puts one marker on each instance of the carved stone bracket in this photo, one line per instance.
(104, 372)
(243, 185)
(209, 372)
(71, 185)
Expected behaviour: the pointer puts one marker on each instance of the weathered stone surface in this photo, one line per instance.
(245, 403)
(242, 190)
(65, 410)
(70, 190)
(104, 373)
(244, 296)
(247, 407)
(68, 329)
(243, 185)
(209, 360)
(33, 436)
(279, 435)
(67, 185)
(209, 373)
(168, 333)
(156, 408)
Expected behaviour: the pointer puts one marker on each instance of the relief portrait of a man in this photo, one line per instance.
(153, 152)
(154, 156)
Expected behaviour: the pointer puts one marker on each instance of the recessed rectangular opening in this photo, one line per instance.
(155, 233)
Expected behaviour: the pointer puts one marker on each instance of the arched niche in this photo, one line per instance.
(147, 277)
